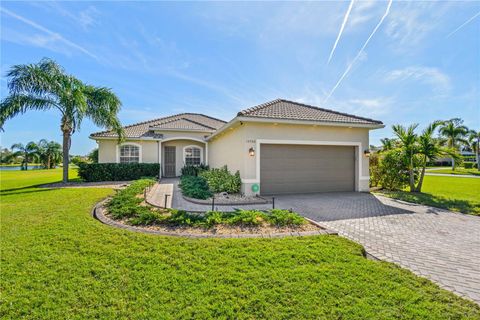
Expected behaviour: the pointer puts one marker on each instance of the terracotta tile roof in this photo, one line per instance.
(183, 121)
(289, 110)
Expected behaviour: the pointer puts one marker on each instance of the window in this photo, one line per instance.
(193, 156)
(129, 154)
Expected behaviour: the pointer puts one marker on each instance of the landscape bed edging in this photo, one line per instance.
(97, 213)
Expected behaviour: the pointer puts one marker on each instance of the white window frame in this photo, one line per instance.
(130, 144)
(192, 146)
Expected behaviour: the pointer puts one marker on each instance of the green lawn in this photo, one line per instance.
(59, 263)
(453, 193)
(473, 172)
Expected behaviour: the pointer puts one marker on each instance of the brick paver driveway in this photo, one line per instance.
(437, 244)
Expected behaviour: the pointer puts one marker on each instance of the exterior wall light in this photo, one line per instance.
(251, 152)
(366, 153)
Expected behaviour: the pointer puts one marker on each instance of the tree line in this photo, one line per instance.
(402, 161)
(48, 154)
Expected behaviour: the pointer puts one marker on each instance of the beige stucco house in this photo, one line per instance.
(279, 147)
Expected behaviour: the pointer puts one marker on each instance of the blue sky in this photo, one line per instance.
(421, 62)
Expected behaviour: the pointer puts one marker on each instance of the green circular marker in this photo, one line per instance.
(255, 187)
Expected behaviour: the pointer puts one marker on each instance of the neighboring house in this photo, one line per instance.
(467, 156)
(279, 147)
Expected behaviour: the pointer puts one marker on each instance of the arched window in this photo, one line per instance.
(129, 153)
(192, 155)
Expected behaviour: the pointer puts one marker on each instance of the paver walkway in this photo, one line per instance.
(179, 203)
(437, 244)
(156, 195)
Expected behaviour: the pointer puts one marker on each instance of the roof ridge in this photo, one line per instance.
(258, 107)
(163, 120)
(330, 110)
(198, 123)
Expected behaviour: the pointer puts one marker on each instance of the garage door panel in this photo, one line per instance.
(306, 168)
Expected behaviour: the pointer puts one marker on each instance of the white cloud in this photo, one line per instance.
(51, 36)
(439, 81)
(411, 22)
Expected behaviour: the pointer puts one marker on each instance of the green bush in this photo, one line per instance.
(147, 217)
(213, 218)
(284, 218)
(195, 187)
(247, 218)
(468, 165)
(221, 180)
(191, 170)
(126, 204)
(93, 172)
(184, 218)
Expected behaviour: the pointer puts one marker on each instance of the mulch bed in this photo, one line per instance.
(219, 231)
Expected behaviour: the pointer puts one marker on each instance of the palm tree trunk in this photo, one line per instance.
(478, 152)
(66, 147)
(25, 161)
(453, 164)
(422, 174)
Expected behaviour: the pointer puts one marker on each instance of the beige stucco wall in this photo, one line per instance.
(108, 150)
(179, 155)
(232, 147)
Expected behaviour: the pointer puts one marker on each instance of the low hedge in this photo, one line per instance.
(93, 172)
(126, 203)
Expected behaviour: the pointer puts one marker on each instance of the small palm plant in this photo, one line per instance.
(28, 153)
(454, 133)
(408, 144)
(430, 149)
(46, 86)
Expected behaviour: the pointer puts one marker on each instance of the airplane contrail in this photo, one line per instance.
(341, 30)
(50, 32)
(463, 24)
(359, 52)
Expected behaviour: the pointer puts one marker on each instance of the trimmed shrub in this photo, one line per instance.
(282, 218)
(221, 180)
(184, 218)
(195, 187)
(468, 165)
(191, 170)
(126, 204)
(247, 218)
(93, 172)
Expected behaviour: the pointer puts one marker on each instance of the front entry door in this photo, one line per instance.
(170, 162)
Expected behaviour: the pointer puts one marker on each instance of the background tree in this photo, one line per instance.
(407, 141)
(29, 153)
(46, 86)
(474, 143)
(50, 153)
(387, 144)
(93, 155)
(6, 156)
(454, 132)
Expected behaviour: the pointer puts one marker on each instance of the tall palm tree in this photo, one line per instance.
(474, 142)
(46, 86)
(454, 133)
(407, 139)
(50, 153)
(29, 153)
